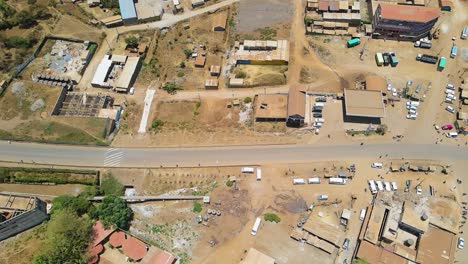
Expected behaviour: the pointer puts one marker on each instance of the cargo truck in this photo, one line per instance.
(393, 60)
(386, 59)
(442, 63)
(379, 59)
(353, 42)
(425, 45)
(427, 58)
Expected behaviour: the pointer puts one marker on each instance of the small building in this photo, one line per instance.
(345, 216)
(256, 257)
(271, 107)
(200, 61)
(219, 21)
(128, 75)
(149, 10)
(197, 3)
(296, 107)
(215, 70)
(128, 12)
(112, 21)
(206, 199)
(236, 82)
(211, 83)
(142, 47)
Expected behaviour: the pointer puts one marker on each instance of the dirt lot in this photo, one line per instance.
(258, 14)
(21, 248)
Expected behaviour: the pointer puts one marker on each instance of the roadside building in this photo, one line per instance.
(219, 21)
(128, 75)
(116, 71)
(296, 108)
(364, 106)
(403, 22)
(263, 52)
(128, 12)
(211, 83)
(271, 107)
(236, 82)
(112, 21)
(215, 70)
(149, 10)
(256, 257)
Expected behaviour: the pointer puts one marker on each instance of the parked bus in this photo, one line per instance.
(379, 185)
(337, 181)
(259, 174)
(298, 181)
(363, 214)
(353, 42)
(379, 59)
(442, 63)
(247, 170)
(464, 33)
(256, 226)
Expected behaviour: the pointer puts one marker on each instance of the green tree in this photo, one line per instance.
(113, 211)
(241, 74)
(132, 41)
(171, 87)
(197, 207)
(78, 205)
(67, 238)
(271, 217)
(157, 124)
(111, 186)
(247, 100)
(188, 53)
(26, 19)
(17, 42)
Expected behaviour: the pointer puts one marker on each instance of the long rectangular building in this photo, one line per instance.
(404, 22)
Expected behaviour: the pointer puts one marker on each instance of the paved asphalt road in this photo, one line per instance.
(212, 156)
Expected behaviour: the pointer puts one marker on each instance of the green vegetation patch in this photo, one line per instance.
(197, 207)
(47, 175)
(270, 217)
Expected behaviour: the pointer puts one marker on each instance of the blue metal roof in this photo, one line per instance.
(127, 9)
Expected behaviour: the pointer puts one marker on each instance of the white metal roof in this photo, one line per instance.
(126, 75)
(102, 71)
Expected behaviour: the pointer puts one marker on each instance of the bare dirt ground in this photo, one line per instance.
(253, 15)
(21, 248)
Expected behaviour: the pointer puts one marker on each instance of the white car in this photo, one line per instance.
(449, 100)
(318, 124)
(419, 190)
(450, 86)
(450, 109)
(417, 43)
(319, 120)
(448, 91)
(411, 107)
(411, 117)
(461, 243)
(389, 87)
(412, 112)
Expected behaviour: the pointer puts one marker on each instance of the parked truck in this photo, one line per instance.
(425, 45)
(442, 63)
(379, 59)
(427, 58)
(393, 60)
(464, 33)
(353, 42)
(454, 51)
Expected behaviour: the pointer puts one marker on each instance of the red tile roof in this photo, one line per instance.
(100, 233)
(409, 13)
(134, 248)
(158, 256)
(117, 239)
(323, 5)
(94, 253)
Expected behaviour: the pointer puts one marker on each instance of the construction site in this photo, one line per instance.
(85, 105)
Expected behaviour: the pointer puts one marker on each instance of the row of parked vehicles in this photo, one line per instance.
(317, 113)
(377, 185)
(412, 107)
(386, 58)
(316, 180)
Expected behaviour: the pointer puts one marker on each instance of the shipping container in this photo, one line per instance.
(372, 187)
(353, 42)
(379, 59)
(442, 63)
(379, 185)
(429, 59)
(393, 60)
(259, 174)
(247, 170)
(362, 215)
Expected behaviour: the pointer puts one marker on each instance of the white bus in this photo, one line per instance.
(363, 214)
(394, 186)
(315, 180)
(387, 187)
(256, 226)
(247, 170)
(259, 174)
(372, 187)
(337, 181)
(379, 185)
(298, 181)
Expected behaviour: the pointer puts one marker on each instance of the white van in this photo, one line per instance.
(259, 174)
(394, 186)
(322, 197)
(298, 181)
(256, 226)
(337, 181)
(377, 165)
(379, 185)
(452, 135)
(319, 120)
(247, 170)
(315, 180)
(387, 187)
(363, 214)
(319, 104)
(372, 187)
(450, 86)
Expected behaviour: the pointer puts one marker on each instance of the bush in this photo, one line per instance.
(229, 183)
(381, 130)
(171, 87)
(241, 74)
(17, 42)
(113, 211)
(247, 100)
(188, 53)
(157, 124)
(180, 74)
(111, 186)
(131, 41)
(78, 205)
(197, 207)
(270, 217)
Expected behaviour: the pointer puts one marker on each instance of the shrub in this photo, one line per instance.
(171, 87)
(157, 124)
(78, 205)
(229, 183)
(197, 207)
(17, 42)
(247, 100)
(180, 74)
(188, 53)
(111, 186)
(241, 74)
(270, 217)
(131, 41)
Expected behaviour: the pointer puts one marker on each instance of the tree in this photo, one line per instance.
(197, 207)
(270, 217)
(157, 124)
(111, 186)
(78, 205)
(171, 87)
(188, 53)
(247, 100)
(113, 211)
(67, 238)
(241, 74)
(25, 19)
(17, 42)
(131, 41)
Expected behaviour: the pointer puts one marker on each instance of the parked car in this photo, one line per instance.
(318, 124)
(317, 115)
(320, 120)
(448, 91)
(317, 109)
(321, 99)
(461, 243)
(412, 112)
(450, 109)
(436, 127)
(410, 116)
(450, 86)
(447, 127)
(419, 190)
(346, 244)
(450, 96)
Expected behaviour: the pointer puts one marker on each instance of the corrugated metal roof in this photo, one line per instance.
(127, 9)
(102, 71)
(128, 72)
(409, 13)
